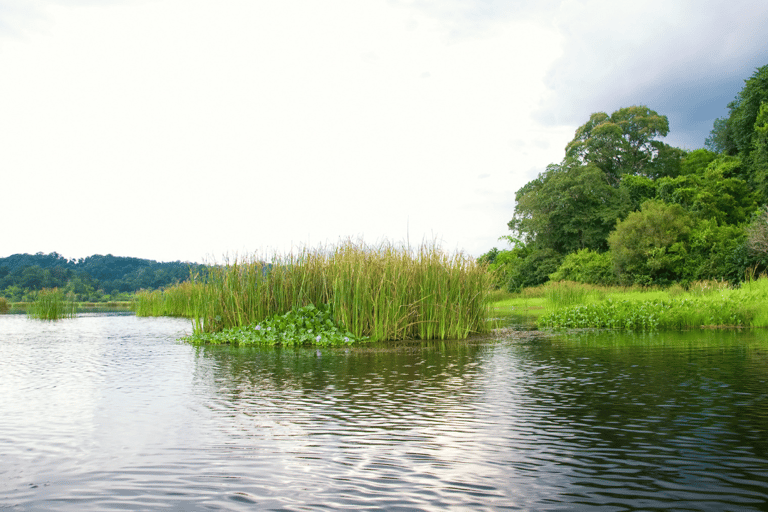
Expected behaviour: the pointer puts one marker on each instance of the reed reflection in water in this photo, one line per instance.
(110, 412)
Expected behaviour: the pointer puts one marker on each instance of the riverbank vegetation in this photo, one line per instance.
(703, 304)
(382, 292)
(623, 208)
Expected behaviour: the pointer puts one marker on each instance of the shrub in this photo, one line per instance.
(586, 266)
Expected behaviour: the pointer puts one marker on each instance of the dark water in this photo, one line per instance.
(106, 412)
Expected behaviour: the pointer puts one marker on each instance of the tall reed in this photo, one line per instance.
(51, 304)
(4, 305)
(149, 303)
(382, 292)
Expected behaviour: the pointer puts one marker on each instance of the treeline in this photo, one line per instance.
(95, 278)
(623, 207)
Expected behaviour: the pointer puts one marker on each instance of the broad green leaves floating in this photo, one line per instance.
(308, 325)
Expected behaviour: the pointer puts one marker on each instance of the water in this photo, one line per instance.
(106, 412)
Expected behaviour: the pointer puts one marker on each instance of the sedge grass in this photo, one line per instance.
(52, 304)
(5, 306)
(382, 292)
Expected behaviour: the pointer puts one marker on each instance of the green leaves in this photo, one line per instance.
(309, 325)
(622, 143)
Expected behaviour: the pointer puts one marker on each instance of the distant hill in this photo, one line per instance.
(90, 278)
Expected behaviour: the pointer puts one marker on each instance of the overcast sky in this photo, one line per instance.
(189, 130)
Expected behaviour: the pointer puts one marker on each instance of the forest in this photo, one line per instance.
(92, 279)
(625, 208)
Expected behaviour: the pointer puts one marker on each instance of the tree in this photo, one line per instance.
(650, 246)
(716, 193)
(744, 132)
(625, 143)
(757, 232)
(567, 208)
(586, 266)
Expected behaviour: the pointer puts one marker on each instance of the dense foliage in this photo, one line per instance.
(93, 278)
(625, 207)
(708, 306)
(308, 325)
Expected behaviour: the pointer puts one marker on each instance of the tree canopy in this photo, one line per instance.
(657, 212)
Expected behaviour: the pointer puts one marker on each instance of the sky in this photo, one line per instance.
(196, 130)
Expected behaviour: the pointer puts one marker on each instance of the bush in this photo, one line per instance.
(586, 266)
(650, 246)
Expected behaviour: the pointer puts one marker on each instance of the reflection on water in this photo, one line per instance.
(108, 412)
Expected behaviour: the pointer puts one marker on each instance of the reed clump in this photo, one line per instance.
(5, 306)
(382, 292)
(180, 300)
(149, 303)
(52, 304)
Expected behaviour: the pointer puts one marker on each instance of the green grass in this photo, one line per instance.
(382, 292)
(149, 303)
(51, 304)
(703, 304)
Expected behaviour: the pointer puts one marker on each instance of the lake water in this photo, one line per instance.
(108, 412)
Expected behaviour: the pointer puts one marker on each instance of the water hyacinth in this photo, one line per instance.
(308, 325)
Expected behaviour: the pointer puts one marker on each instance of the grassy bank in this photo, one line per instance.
(703, 304)
(383, 292)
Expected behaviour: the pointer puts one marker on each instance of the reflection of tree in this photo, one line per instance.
(662, 405)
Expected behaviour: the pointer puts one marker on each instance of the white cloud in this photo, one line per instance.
(178, 129)
(175, 130)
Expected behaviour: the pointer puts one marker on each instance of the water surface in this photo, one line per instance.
(105, 412)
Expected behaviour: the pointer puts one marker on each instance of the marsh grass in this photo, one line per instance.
(704, 304)
(382, 292)
(52, 304)
(568, 293)
(5, 306)
(149, 303)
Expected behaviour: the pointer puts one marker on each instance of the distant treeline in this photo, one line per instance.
(94, 278)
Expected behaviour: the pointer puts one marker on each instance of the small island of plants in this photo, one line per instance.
(332, 296)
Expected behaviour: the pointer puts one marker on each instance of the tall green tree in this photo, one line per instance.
(567, 208)
(743, 132)
(626, 142)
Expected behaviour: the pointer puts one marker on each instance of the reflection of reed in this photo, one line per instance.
(377, 383)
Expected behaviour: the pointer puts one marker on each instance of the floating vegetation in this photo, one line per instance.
(51, 304)
(308, 325)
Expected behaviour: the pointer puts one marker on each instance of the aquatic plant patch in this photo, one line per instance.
(52, 304)
(675, 313)
(382, 292)
(308, 325)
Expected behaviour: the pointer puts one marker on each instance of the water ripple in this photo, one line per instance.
(111, 412)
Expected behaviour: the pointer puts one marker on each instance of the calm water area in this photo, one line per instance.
(112, 412)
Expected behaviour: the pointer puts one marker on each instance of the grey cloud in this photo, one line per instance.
(686, 59)
(688, 68)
